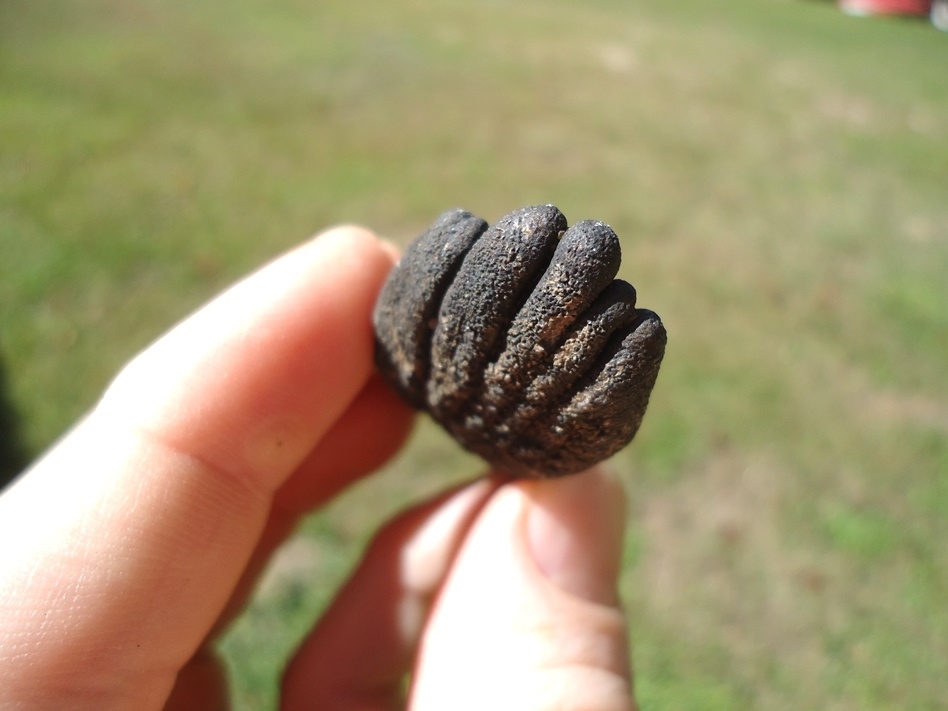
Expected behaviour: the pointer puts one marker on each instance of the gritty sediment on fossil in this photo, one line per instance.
(519, 340)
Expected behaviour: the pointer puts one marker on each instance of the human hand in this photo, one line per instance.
(138, 537)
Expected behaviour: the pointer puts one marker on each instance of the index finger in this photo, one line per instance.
(134, 530)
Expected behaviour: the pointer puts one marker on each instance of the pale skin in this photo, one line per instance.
(135, 540)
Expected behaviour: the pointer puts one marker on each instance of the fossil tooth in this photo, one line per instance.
(519, 340)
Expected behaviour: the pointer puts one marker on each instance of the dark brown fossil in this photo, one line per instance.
(519, 340)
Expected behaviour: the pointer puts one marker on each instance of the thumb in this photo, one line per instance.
(528, 618)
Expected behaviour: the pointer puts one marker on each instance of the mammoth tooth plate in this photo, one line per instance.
(519, 340)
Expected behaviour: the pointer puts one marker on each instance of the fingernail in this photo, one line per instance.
(393, 250)
(426, 556)
(575, 532)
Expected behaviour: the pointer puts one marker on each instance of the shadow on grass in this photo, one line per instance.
(13, 454)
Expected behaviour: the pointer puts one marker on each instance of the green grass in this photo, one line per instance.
(777, 172)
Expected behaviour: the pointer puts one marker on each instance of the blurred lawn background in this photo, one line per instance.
(778, 173)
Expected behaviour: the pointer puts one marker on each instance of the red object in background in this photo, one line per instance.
(936, 10)
(886, 7)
